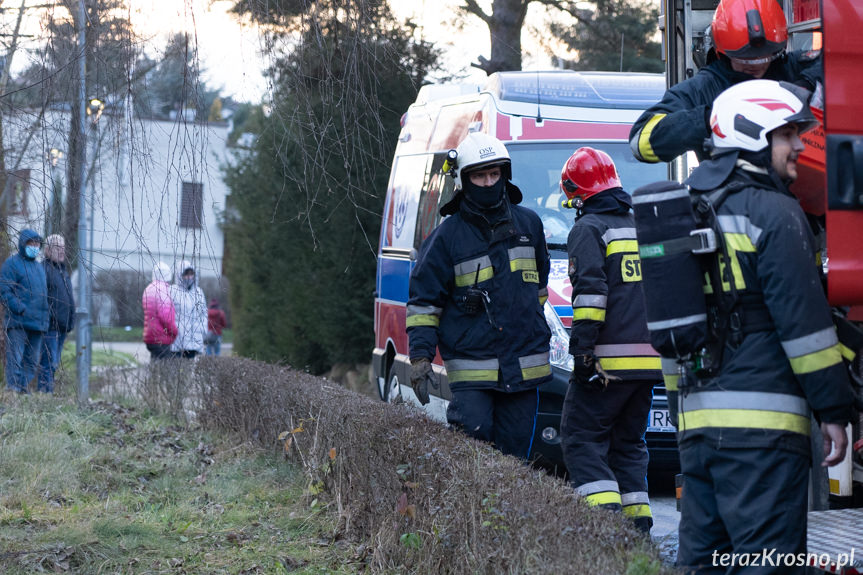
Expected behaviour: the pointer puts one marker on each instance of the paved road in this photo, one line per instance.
(139, 351)
(666, 518)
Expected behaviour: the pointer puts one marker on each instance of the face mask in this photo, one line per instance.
(188, 282)
(31, 252)
(486, 196)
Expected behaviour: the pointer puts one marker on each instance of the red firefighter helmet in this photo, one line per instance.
(750, 29)
(586, 173)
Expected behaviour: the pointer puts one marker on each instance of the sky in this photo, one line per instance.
(231, 51)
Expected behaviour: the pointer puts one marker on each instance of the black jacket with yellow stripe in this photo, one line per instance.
(608, 315)
(504, 345)
(771, 377)
(679, 122)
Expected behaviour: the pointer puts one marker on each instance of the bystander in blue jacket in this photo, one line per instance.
(23, 291)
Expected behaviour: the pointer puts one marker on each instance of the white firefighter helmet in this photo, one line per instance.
(480, 150)
(745, 113)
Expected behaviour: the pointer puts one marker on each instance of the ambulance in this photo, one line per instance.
(542, 117)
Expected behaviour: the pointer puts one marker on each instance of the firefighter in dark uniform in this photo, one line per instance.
(774, 355)
(477, 294)
(750, 38)
(608, 401)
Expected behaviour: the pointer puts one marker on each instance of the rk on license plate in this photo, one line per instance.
(659, 421)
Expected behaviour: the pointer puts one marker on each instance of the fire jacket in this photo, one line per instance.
(773, 375)
(680, 123)
(505, 344)
(608, 314)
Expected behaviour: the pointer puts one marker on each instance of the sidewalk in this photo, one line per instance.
(139, 351)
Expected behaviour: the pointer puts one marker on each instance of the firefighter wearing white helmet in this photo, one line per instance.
(476, 296)
(772, 356)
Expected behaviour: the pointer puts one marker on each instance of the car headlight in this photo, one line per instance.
(559, 353)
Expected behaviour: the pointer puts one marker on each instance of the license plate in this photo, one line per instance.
(659, 421)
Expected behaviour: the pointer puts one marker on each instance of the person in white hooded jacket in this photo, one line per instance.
(190, 307)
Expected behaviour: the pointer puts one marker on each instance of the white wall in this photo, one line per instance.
(138, 167)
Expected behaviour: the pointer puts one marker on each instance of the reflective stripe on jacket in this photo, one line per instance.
(768, 382)
(505, 344)
(678, 123)
(608, 313)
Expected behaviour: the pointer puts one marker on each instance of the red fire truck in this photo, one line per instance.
(830, 185)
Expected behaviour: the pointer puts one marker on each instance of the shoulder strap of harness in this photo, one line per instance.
(733, 314)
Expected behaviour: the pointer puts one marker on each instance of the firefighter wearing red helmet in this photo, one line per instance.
(772, 358)
(610, 390)
(749, 37)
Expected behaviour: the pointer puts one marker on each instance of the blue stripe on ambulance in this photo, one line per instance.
(394, 279)
(563, 311)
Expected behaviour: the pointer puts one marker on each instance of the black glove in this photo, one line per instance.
(421, 373)
(587, 371)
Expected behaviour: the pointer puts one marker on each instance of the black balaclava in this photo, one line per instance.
(485, 197)
(487, 202)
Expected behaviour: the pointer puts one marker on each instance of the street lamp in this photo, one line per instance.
(94, 109)
(82, 310)
(91, 110)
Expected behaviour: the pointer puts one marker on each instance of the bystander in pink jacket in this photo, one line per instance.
(160, 326)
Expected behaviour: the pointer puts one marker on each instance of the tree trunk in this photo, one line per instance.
(73, 187)
(5, 240)
(504, 26)
(5, 202)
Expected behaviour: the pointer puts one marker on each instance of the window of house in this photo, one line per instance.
(192, 205)
(17, 191)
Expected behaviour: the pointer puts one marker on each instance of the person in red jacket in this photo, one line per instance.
(160, 326)
(216, 322)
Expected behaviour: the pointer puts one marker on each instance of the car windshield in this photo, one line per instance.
(536, 171)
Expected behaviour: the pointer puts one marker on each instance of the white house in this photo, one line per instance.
(154, 188)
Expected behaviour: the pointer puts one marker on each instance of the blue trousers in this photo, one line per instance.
(215, 347)
(508, 420)
(22, 355)
(742, 501)
(52, 348)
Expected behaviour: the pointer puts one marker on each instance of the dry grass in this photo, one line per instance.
(420, 498)
(119, 489)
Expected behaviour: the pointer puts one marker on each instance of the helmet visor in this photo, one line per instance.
(758, 61)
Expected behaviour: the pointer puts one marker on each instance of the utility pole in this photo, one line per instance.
(82, 327)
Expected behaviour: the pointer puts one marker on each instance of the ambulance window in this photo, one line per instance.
(536, 171)
(408, 181)
(437, 191)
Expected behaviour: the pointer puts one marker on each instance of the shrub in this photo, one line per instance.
(420, 498)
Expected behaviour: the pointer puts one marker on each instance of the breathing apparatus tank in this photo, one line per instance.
(670, 241)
